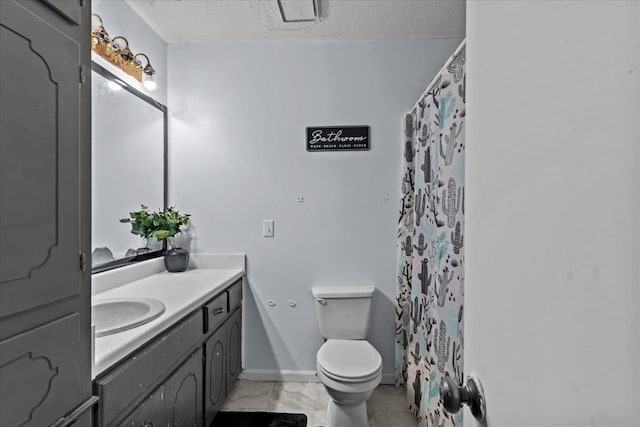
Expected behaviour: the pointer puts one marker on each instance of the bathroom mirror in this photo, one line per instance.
(128, 168)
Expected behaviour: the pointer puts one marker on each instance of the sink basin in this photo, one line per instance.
(111, 316)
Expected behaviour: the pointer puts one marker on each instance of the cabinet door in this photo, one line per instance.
(150, 413)
(214, 371)
(39, 151)
(44, 294)
(184, 394)
(234, 347)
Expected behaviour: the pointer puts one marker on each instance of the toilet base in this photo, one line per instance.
(347, 415)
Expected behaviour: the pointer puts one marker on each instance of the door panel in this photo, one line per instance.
(151, 411)
(41, 381)
(39, 162)
(214, 373)
(184, 393)
(234, 339)
(70, 9)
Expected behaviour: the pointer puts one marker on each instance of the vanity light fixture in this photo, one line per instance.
(98, 32)
(113, 86)
(147, 72)
(124, 52)
(116, 50)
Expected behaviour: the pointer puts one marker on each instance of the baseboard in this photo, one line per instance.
(279, 376)
(388, 378)
(294, 376)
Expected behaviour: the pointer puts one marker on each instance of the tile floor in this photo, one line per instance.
(387, 406)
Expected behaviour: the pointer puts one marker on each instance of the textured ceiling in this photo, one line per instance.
(191, 20)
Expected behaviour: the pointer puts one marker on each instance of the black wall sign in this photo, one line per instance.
(338, 138)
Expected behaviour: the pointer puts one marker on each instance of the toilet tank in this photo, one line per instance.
(342, 312)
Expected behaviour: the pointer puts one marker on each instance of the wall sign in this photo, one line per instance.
(338, 138)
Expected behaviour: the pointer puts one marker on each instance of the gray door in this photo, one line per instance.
(44, 294)
(184, 394)
(214, 373)
(234, 343)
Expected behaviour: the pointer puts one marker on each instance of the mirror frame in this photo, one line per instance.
(165, 143)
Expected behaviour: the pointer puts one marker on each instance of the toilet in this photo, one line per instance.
(349, 366)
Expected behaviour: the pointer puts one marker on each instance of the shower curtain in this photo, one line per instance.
(430, 280)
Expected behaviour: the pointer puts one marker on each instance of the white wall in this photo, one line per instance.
(553, 217)
(237, 149)
(120, 20)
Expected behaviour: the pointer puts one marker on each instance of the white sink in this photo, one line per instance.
(111, 316)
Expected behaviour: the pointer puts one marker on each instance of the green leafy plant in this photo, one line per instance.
(161, 224)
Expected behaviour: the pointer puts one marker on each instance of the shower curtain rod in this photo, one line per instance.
(437, 77)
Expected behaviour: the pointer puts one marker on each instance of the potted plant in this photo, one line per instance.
(141, 225)
(162, 225)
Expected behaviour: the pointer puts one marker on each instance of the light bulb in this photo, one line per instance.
(148, 82)
(113, 86)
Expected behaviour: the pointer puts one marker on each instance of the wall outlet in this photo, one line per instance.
(267, 228)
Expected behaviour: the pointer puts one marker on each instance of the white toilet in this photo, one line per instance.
(349, 367)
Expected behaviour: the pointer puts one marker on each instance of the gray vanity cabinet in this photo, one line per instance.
(182, 376)
(223, 354)
(45, 289)
(174, 403)
(124, 387)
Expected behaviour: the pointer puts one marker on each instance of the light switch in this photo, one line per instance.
(267, 228)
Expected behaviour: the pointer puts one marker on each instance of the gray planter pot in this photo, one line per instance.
(176, 260)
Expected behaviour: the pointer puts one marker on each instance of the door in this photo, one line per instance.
(214, 371)
(234, 342)
(150, 413)
(44, 292)
(184, 393)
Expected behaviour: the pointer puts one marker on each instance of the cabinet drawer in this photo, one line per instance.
(129, 382)
(215, 313)
(235, 295)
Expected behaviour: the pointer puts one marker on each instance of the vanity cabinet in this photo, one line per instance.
(222, 350)
(126, 385)
(182, 376)
(175, 402)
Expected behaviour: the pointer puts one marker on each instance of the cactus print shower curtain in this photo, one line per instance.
(430, 288)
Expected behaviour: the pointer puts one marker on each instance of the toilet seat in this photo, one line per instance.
(349, 360)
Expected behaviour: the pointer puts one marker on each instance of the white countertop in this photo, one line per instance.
(181, 293)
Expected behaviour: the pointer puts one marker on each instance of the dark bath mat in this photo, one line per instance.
(258, 419)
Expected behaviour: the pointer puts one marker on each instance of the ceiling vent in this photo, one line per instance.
(298, 10)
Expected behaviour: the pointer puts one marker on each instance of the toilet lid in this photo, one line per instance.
(349, 359)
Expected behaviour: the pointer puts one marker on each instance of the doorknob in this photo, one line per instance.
(454, 396)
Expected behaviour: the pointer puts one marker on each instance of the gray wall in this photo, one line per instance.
(237, 149)
(552, 320)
